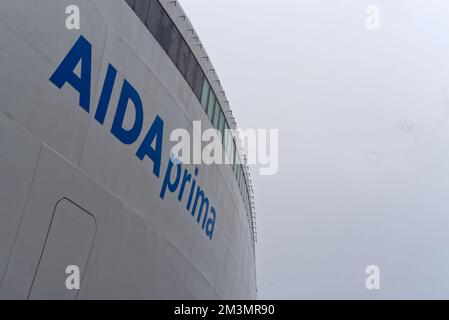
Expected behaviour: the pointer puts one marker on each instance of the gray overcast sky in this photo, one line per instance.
(363, 119)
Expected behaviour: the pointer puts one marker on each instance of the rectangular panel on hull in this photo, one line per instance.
(56, 179)
(69, 242)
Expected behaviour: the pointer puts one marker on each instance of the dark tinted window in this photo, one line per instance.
(183, 58)
(231, 152)
(165, 32)
(221, 125)
(217, 115)
(205, 94)
(175, 42)
(226, 138)
(191, 69)
(235, 158)
(198, 87)
(141, 9)
(211, 105)
(131, 3)
(155, 17)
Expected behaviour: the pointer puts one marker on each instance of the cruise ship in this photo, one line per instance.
(87, 180)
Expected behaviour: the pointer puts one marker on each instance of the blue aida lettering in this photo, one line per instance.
(128, 94)
(176, 177)
(106, 93)
(81, 52)
(156, 132)
(171, 183)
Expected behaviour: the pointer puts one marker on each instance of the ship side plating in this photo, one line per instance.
(72, 193)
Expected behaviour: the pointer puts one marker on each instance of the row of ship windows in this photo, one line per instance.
(161, 26)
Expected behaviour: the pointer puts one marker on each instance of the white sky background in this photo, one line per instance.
(363, 119)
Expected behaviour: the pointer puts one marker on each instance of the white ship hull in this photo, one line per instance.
(72, 194)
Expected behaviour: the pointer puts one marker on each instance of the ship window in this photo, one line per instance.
(205, 94)
(235, 158)
(198, 81)
(141, 9)
(165, 32)
(131, 3)
(229, 149)
(191, 69)
(226, 135)
(221, 125)
(150, 6)
(155, 17)
(175, 41)
(211, 105)
(217, 115)
(183, 58)
(229, 146)
(233, 155)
